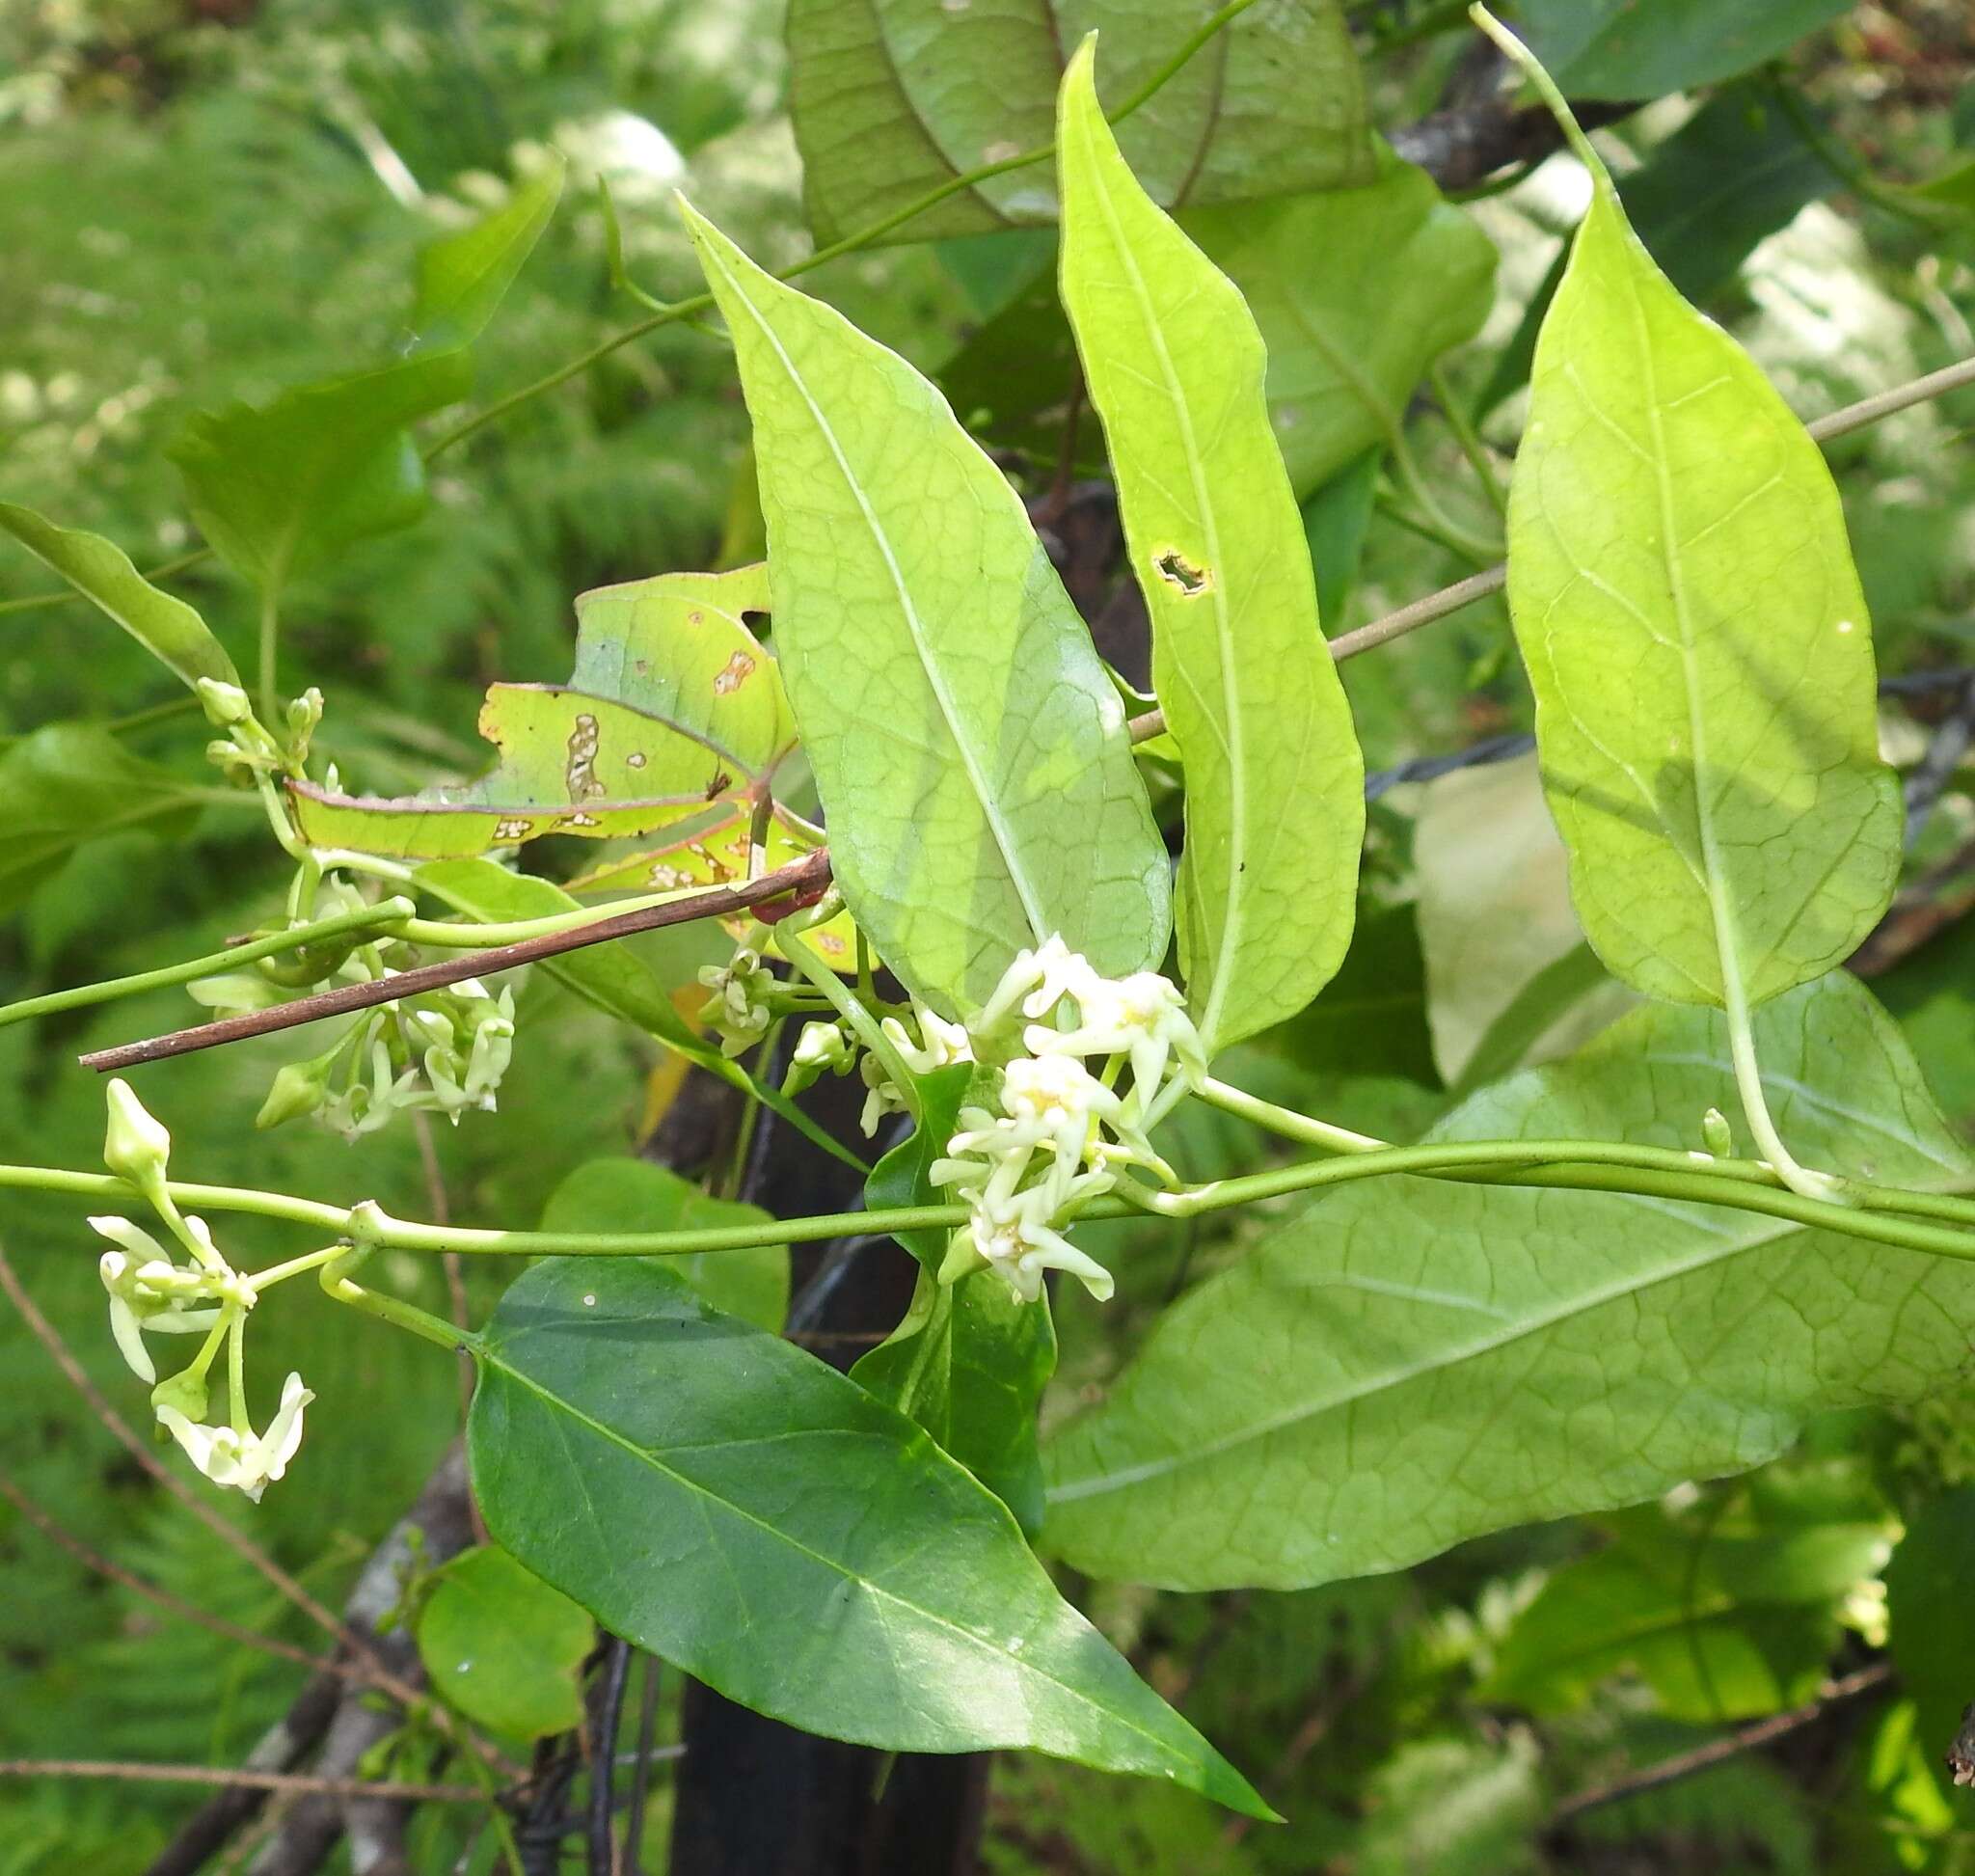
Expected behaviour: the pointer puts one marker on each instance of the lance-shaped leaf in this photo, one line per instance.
(716, 1495)
(971, 755)
(1275, 785)
(278, 487)
(1356, 292)
(893, 98)
(971, 1359)
(679, 647)
(463, 277)
(1619, 49)
(1411, 1362)
(101, 571)
(1685, 599)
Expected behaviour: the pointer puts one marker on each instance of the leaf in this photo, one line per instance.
(1738, 171)
(1630, 49)
(608, 976)
(1275, 784)
(620, 1194)
(1931, 1627)
(167, 628)
(1356, 292)
(568, 764)
(464, 277)
(279, 487)
(503, 1647)
(673, 719)
(1721, 1626)
(1495, 917)
(892, 99)
(1685, 599)
(1336, 521)
(718, 1497)
(679, 647)
(67, 784)
(1409, 1362)
(970, 1360)
(971, 755)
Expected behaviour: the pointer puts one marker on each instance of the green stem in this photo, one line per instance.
(467, 936)
(668, 314)
(1546, 87)
(1755, 1107)
(387, 912)
(270, 647)
(236, 1372)
(1470, 440)
(393, 1310)
(261, 1280)
(868, 1031)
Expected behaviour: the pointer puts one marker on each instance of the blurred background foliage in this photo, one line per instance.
(203, 200)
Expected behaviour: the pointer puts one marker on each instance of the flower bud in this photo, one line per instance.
(1717, 1134)
(184, 1393)
(135, 1147)
(225, 704)
(299, 1088)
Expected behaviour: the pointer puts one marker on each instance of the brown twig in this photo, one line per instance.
(1762, 1732)
(223, 1527)
(246, 1638)
(796, 880)
(296, 1785)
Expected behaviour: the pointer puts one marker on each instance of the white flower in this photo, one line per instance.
(940, 1044)
(1143, 1017)
(821, 1047)
(1018, 1240)
(247, 1463)
(1038, 980)
(739, 1010)
(148, 1291)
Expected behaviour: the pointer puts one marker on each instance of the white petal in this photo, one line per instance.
(142, 1246)
(129, 1340)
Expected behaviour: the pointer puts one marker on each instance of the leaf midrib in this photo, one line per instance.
(984, 797)
(489, 1353)
(1233, 899)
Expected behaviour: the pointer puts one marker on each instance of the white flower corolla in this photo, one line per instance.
(1142, 1018)
(248, 1462)
(148, 1291)
(468, 1039)
(1018, 1240)
(940, 1044)
(739, 1010)
(362, 1107)
(1038, 981)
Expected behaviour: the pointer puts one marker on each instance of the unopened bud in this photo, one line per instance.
(225, 704)
(135, 1146)
(299, 1089)
(1717, 1135)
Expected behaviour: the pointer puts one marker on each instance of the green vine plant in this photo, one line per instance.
(892, 763)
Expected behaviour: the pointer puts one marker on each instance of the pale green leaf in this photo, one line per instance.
(279, 487)
(723, 1499)
(1624, 49)
(502, 1646)
(1685, 599)
(893, 98)
(1275, 784)
(101, 571)
(1409, 1362)
(970, 752)
(464, 277)
(618, 1195)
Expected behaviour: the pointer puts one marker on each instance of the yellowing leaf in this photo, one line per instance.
(1275, 786)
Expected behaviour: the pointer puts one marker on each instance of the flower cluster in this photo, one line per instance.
(742, 1005)
(1063, 1129)
(152, 1293)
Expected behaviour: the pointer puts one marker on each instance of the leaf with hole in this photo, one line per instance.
(1684, 596)
(716, 1495)
(1275, 785)
(894, 99)
(1411, 1362)
(970, 752)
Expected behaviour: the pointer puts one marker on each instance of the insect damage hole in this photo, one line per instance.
(1177, 570)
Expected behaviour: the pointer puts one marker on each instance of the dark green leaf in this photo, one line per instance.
(615, 1195)
(99, 570)
(1336, 521)
(718, 1497)
(502, 1646)
(1414, 1361)
(1640, 49)
(971, 1359)
(893, 100)
(279, 487)
(1931, 1616)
